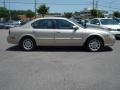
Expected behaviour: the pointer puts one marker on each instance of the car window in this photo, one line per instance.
(43, 24)
(109, 22)
(95, 21)
(63, 24)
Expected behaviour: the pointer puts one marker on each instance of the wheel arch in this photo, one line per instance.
(27, 36)
(94, 36)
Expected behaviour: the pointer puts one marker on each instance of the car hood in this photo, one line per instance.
(96, 30)
(112, 26)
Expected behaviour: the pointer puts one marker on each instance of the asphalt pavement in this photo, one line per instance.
(58, 68)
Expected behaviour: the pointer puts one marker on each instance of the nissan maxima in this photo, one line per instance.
(59, 31)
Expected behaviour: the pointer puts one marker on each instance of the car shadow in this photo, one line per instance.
(117, 39)
(58, 49)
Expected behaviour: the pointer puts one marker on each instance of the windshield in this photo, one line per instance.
(119, 19)
(109, 22)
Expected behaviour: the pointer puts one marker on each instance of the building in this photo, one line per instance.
(86, 13)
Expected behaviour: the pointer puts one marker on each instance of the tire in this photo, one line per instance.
(94, 44)
(27, 44)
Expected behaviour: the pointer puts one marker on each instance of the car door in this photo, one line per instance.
(66, 35)
(44, 31)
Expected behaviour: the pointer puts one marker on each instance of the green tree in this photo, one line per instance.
(96, 13)
(4, 13)
(77, 13)
(43, 10)
(68, 14)
(116, 14)
(14, 15)
(30, 14)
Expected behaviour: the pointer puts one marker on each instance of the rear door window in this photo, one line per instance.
(43, 24)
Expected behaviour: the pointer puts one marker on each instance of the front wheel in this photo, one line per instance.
(94, 44)
(27, 44)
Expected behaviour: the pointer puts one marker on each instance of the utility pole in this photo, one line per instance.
(9, 12)
(96, 4)
(93, 4)
(97, 7)
(4, 3)
(35, 9)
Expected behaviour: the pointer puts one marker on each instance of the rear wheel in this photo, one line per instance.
(27, 44)
(94, 44)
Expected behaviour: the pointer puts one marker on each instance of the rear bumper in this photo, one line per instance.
(12, 40)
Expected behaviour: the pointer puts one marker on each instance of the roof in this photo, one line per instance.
(102, 18)
(46, 18)
(51, 18)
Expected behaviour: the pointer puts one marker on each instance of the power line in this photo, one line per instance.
(49, 3)
(109, 7)
(61, 4)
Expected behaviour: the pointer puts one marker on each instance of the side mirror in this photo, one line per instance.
(85, 25)
(75, 28)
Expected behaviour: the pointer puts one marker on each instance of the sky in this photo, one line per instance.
(61, 6)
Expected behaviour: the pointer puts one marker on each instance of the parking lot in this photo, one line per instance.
(58, 68)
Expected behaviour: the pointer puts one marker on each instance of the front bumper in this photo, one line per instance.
(110, 40)
(116, 33)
